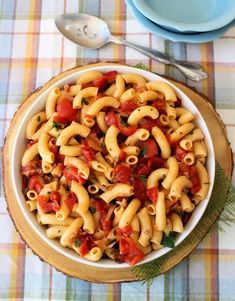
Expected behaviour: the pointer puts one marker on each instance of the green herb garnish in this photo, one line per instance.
(191, 132)
(93, 210)
(206, 183)
(168, 241)
(38, 119)
(141, 66)
(77, 243)
(124, 120)
(56, 125)
(143, 151)
(143, 178)
(181, 215)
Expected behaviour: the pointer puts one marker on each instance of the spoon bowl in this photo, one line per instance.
(93, 33)
(84, 30)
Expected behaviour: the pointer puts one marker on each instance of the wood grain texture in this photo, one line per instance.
(59, 261)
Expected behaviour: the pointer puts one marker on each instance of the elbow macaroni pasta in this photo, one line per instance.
(120, 167)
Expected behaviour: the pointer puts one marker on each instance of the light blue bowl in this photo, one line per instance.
(178, 37)
(188, 15)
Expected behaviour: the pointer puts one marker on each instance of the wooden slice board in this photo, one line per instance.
(60, 262)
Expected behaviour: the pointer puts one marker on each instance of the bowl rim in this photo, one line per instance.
(217, 23)
(28, 113)
(200, 37)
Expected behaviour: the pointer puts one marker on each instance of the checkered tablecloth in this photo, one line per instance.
(31, 52)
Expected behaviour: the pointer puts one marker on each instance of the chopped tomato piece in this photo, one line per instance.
(60, 158)
(93, 142)
(105, 80)
(127, 130)
(139, 189)
(83, 249)
(124, 232)
(148, 147)
(110, 76)
(106, 224)
(32, 168)
(87, 85)
(184, 169)
(54, 149)
(179, 153)
(160, 105)
(64, 97)
(128, 248)
(72, 173)
(66, 112)
(152, 194)
(148, 123)
(46, 205)
(53, 206)
(100, 83)
(178, 103)
(54, 196)
(146, 165)
(24, 182)
(195, 180)
(95, 130)
(133, 258)
(190, 171)
(111, 118)
(85, 243)
(36, 182)
(128, 107)
(71, 200)
(100, 206)
(122, 173)
(122, 156)
(60, 166)
(42, 202)
(88, 152)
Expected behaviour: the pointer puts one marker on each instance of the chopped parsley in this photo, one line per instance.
(143, 151)
(143, 178)
(141, 66)
(168, 241)
(38, 119)
(77, 243)
(191, 133)
(181, 215)
(124, 120)
(56, 125)
(93, 210)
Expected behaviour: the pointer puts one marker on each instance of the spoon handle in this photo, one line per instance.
(190, 70)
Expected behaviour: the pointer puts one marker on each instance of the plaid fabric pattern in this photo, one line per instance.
(31, 52)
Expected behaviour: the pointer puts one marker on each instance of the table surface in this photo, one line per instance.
(31, 52)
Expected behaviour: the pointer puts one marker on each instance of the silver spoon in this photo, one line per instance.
(91, 32)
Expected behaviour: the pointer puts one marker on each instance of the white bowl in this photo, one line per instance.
(20, 143)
